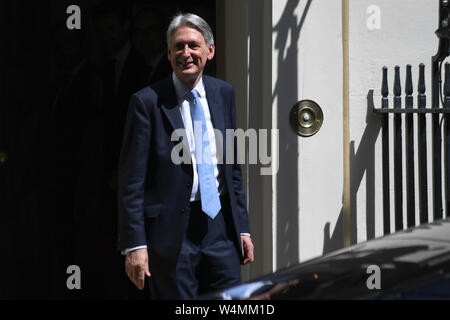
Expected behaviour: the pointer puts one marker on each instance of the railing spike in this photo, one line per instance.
(384, 85)
(397, 85)
(421, 83)
(408, 82)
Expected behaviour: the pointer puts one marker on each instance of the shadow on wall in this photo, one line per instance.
(362, 162)
(286, 92)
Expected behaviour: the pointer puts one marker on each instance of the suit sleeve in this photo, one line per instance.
(132, 174)
(237, 174)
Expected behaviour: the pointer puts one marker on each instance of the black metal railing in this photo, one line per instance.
(406, 113)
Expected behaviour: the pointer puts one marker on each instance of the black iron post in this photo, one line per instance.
(385, 154)
(398, 153)
(409, 127)
(443, 34)
(446, 136)
(422, 147)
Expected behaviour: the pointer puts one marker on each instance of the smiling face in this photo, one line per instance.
(188, 54)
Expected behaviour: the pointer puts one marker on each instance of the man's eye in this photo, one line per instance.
(194, 46)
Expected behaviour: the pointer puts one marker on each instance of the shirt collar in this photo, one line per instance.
(181, 90)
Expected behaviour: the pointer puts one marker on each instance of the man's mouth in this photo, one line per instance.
(187, 64)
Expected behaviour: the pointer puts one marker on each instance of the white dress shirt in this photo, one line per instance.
(183, 103)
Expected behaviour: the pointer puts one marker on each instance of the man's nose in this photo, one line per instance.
(186, 51)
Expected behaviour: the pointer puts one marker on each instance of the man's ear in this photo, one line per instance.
(212, 50)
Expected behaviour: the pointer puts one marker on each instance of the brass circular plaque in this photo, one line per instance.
(306, 118)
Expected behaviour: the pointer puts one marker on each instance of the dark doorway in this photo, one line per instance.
(63, 103)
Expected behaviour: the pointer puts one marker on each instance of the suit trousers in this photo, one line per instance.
(209, 258)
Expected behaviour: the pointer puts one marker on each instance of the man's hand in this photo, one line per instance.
(247, 248)
(136, 267)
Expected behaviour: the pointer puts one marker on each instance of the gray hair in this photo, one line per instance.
(190, 20)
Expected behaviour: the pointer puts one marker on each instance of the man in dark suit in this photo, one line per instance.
(185, 226)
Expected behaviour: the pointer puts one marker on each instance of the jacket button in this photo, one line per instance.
(188, 185)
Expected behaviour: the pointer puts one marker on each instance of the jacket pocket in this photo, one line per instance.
(152, 210)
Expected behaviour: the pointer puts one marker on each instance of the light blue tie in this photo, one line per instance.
(209, 194)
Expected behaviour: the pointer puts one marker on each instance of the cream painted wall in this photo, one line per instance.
(314, 41)
(294, 52)
(405, 36)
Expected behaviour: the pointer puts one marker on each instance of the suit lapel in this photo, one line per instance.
(215, 104)
(169, 105)
(216, 110)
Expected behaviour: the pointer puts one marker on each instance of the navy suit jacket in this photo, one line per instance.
(153, 192)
